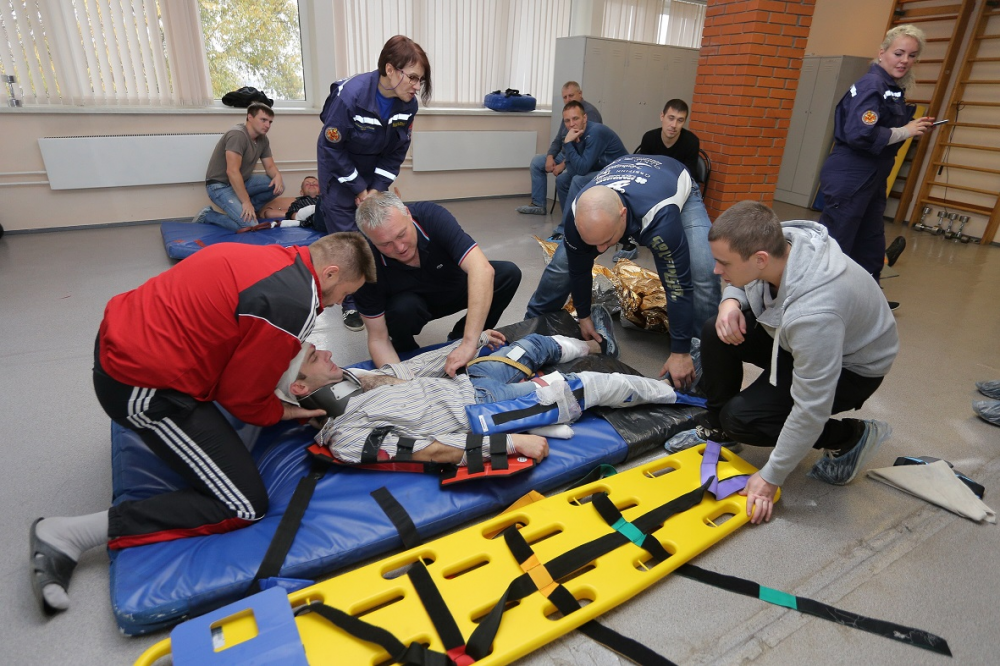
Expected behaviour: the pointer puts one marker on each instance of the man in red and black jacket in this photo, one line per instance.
(220, 327)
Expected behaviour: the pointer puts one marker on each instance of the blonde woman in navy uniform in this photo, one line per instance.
(367, 122)
(871, 123)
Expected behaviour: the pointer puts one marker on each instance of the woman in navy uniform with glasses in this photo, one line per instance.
(367, 122)
(871, 123)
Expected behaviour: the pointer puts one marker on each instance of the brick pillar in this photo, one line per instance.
(748, 72)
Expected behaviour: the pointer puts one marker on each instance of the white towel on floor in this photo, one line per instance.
(937, 484)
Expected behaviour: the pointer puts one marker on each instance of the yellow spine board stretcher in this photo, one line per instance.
(473, 567)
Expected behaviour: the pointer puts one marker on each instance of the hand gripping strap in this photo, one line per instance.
(897, 632)
(709, 469)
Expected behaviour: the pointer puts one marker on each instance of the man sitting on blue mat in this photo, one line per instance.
(415, 399)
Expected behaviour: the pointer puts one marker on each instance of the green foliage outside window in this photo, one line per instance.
(253, 43)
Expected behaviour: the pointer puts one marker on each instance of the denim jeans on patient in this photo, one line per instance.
(554, 286)
(224, 196)
(495, 381)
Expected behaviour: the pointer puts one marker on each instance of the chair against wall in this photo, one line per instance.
(704, 171)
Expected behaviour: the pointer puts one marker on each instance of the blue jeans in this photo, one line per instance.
(493, 379)
(554, 286)
(540, 182)
(224, 196)
(576, 184)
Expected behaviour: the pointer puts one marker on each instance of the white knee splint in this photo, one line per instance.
(618, 390)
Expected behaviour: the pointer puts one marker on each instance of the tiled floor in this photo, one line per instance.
(865, 547)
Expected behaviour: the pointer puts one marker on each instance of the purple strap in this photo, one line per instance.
(709, 469)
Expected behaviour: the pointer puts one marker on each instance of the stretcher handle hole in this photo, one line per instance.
(548, 534)
(232, 630)
(378, 603)
(659, 471)
(402, 568)
(466, 567)
(719, 519)
(495, 530)
(553, 613)
(645, 561)
(588, 496)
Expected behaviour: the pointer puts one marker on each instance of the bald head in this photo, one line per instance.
(600, 217)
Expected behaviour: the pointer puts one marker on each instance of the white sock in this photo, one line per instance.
(71, 536)
(556, 431)
(571, 348)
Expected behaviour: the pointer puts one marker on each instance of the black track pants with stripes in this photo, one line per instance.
(225, 491)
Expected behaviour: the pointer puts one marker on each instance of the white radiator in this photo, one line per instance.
(462, 151)
(79, 162)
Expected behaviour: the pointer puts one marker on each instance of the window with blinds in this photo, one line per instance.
(474, 46)
(103, 52)
(669, 22)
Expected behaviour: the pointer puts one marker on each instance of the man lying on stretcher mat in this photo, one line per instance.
(433, 414)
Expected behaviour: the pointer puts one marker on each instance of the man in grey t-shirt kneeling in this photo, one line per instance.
(230, 180)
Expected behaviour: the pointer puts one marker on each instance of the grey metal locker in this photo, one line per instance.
(822, 82)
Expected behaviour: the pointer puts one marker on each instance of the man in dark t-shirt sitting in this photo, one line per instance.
(427, 268)
(671, 139)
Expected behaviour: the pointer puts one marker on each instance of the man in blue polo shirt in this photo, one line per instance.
(427, 268)
(655, 201)
(588, 147)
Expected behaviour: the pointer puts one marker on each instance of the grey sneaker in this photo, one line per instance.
(200, 217)
(990, 389)
(686, 439)
(352, 320)
(531, 210)
(841, 470)
(988, 410)
(605, 325)
(628, 251)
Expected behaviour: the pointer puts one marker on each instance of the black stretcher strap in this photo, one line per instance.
(287, 528)
(627, 647)
(414, 653)
(498, 451)
(441, 617)
(567, 563)
(897, 632)
(404, 448)
(474, 453)
(400, 518)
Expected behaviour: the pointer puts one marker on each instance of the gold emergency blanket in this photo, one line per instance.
(636, 290)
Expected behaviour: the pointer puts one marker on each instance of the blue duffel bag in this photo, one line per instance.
(509, 100)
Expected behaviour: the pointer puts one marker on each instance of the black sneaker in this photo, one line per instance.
(352, 320)
(895, 249)
(893, 305)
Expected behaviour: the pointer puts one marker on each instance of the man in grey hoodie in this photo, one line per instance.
(817, 323)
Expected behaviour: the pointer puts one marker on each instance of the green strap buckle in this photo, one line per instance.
(629, 531)
(778, 598)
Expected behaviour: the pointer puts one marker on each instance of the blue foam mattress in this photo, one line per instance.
(182, 239)
(157, 585)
